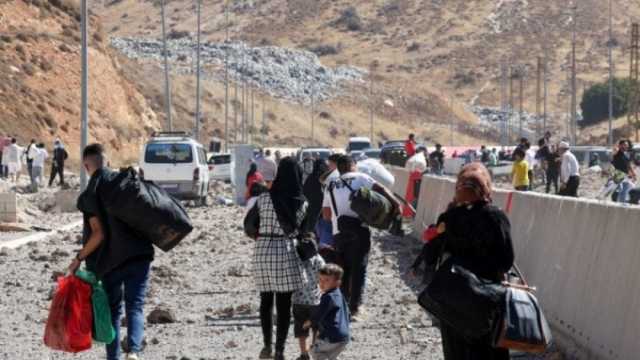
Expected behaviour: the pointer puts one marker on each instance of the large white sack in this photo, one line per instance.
(377, 171)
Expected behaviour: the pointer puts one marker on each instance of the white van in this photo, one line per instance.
(178, 164)
(358, 144)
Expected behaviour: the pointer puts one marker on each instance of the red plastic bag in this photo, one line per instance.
(70, 319)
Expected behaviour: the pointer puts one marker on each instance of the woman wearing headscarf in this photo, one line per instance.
(277, 268)
(314, 193)
(477, 236)
(253, 177)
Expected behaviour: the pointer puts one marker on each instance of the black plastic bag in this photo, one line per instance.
(146, 208)
(470, 305)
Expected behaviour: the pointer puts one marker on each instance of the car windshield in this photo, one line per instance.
(373, 154)
(167, 153)
(359, 146)
(322, 154)
(220, 160)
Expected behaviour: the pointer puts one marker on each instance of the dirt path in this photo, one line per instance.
(206, 283)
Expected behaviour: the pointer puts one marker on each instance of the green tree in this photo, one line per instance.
(595, 101)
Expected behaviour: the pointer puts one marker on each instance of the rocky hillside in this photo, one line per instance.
(433, 49)
(40, 81)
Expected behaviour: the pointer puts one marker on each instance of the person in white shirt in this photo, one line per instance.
(569, 171)
(40, 157)
(530, 158)
(267, 167)
(324, 229)
(30, 154)
(13, 155)
(352, 236)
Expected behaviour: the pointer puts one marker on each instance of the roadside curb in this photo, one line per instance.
(37, 237)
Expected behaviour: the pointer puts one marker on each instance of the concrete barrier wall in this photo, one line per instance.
(401, 180)
(584, 257)
(8, 207)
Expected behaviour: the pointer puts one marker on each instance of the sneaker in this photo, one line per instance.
(266, 353)
(358, 316)
(304, 357)
(132, 357)
(279, 356)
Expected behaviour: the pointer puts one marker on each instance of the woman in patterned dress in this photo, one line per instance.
(277, 268)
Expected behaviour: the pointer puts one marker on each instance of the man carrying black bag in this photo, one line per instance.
(115, 254)
(352, 236)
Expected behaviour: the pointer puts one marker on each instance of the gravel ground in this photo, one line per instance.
(205, 282)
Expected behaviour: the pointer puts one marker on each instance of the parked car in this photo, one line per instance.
(178, 164)
(586, 155)
(220, 167)
(323, 153)
(358, 143)
(372, 154)
(393, 153)
(357, 155)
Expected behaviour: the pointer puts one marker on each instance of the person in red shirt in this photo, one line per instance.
(410, 146)
(253, 177)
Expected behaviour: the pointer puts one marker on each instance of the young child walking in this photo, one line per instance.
(305, 301)
(331, 318)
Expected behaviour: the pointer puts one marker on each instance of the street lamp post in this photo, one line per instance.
(84, 92)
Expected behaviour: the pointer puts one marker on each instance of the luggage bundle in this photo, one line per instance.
(506, 315)
(373, 208)
(146, 208)
(79, 313)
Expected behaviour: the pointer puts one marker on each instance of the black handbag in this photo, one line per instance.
(470, 305)
(252, 222)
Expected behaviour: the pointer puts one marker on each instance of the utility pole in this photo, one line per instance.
(197, 127)
(545, 90)
(84, 136)
(538, 96)
(574, 89)
(235, 107)
(313, 119)
(521, 115)
(264, 122)
(509, 127)
(226, 78)
(610, 49)
(244, 98)
(503, 102)
(167, 83)
(371, 104)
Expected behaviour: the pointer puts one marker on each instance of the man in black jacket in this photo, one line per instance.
(115, 254)
(60, 155)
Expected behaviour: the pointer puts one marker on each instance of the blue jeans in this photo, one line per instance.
(133, 279)
(324, 232)
(626, 186)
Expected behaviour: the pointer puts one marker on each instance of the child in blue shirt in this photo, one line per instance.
(331, 318)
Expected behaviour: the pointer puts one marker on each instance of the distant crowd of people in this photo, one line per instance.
(14, 156)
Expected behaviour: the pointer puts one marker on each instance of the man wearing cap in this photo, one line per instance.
(569, 171)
